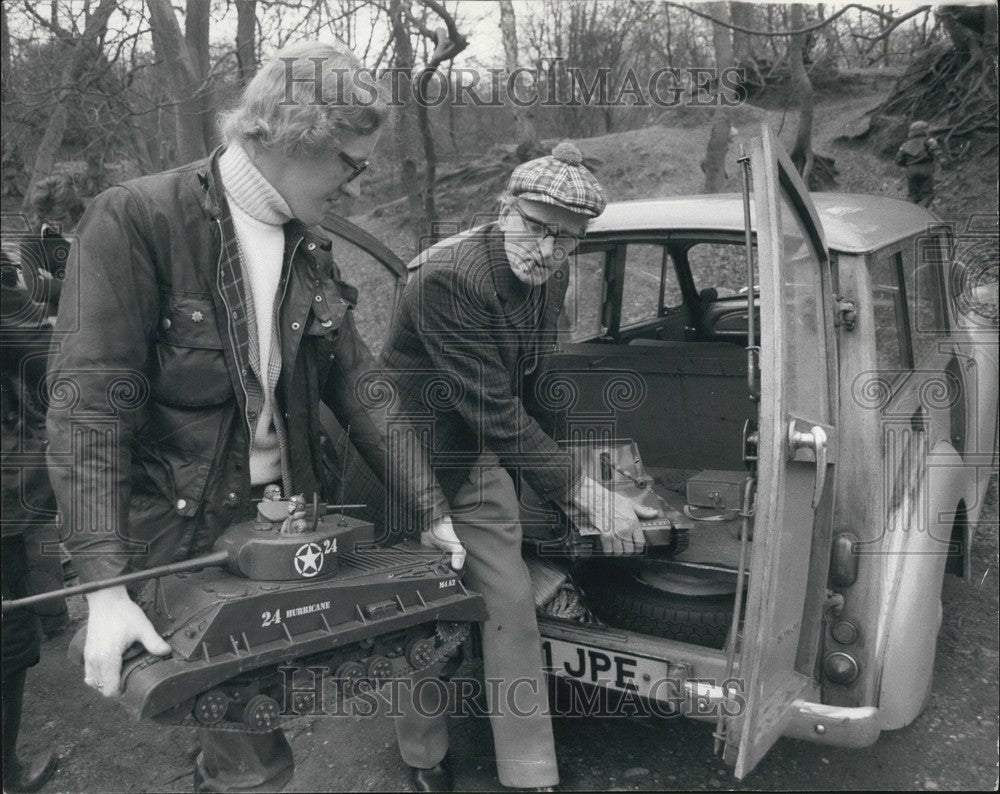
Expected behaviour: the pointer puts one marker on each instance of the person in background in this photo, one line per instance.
(57, 208)
(918, 156)
(209, 318)
(462, 348)
(27, 506)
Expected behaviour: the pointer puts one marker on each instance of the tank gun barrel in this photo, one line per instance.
(209, 560)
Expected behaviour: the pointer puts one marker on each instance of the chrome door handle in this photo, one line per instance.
(815, 440)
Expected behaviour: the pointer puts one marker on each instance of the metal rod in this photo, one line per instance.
(749, 493)
(752, 348)
(343, 470)
(209, 560)
(330, 508)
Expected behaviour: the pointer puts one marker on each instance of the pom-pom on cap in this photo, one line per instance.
(560, 178)
(567, 153)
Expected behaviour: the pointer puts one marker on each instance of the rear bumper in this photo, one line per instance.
(840, 726)
(695, 678)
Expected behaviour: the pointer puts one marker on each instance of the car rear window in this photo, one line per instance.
(720, 266)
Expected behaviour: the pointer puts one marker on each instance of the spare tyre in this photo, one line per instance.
(622, 601)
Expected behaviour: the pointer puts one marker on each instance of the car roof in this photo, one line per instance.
(852, 222)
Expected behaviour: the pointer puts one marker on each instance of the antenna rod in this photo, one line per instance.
(752, 349)
(209, 560)
(343, 470)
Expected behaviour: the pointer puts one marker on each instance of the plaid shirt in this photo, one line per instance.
(256, 380)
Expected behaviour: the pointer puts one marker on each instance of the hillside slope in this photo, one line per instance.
(663, 160)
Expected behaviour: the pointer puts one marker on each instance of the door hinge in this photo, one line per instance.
(847, 314)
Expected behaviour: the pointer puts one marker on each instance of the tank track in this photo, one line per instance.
(347, 673)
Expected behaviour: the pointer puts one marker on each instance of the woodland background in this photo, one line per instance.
(107, 89)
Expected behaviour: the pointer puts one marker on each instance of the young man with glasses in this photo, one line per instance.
(210, 321)
(462, 349)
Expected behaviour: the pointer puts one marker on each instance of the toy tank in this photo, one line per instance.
(277, 624)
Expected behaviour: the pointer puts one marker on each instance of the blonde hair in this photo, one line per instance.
(305, 100)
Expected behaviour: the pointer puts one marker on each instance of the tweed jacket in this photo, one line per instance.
(152, 399)
(462, 356)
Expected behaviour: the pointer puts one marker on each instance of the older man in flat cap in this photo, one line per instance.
(460, 354)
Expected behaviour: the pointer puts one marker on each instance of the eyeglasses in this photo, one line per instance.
(354, 165)
(553, 230)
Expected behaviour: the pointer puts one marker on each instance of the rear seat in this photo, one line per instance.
(693, 348)
(691, 406)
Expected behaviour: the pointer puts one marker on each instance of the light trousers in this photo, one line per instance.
(485, 516)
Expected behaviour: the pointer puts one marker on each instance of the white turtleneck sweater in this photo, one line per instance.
(259, 214)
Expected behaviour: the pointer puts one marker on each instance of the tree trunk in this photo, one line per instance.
(405, 119)
(741, 15)
(526, 136)
(714, 164)
(178, 67)
(45, 157)
(246, 42)
(451, 108)
(196, 24)
(142, 153)
(431, 235)
(801, 154)
(4, 44)
(744, 53)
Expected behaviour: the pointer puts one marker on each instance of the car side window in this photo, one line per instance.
(650, 283)
(923, 280)
(582, 317)
(720, 266)
(889, 310)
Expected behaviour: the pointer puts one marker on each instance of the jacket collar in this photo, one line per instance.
(212, 200)
(209, 188)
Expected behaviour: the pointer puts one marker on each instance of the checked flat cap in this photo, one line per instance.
(560, 178)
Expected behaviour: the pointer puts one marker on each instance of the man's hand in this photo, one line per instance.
(595, 509)
(442, 536)
(114, 623)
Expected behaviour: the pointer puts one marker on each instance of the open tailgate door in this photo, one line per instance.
(796, 450)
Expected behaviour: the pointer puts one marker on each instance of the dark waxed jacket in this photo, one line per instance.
(149, 416)
(463, 353)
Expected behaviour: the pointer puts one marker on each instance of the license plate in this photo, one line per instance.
(625, 672)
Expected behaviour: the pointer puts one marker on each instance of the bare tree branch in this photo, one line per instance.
(800, 31)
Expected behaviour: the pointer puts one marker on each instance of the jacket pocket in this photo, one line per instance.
(188, 364)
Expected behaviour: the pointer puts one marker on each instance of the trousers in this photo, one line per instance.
(231, 761)
(486, 519)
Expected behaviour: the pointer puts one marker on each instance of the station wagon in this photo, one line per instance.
(819, 438)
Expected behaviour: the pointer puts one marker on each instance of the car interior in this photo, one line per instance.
(657, 359)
